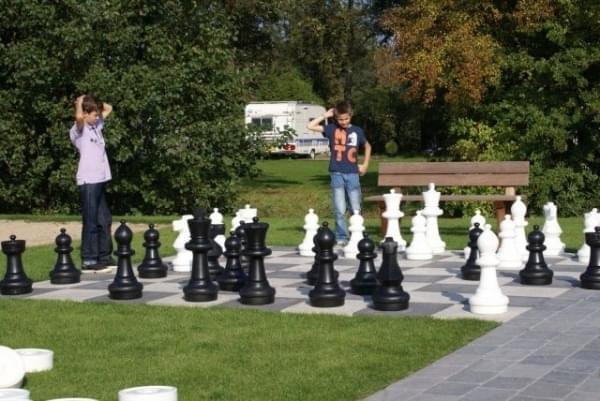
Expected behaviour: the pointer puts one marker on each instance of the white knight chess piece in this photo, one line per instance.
(393, 214)
(431, 198)
(552, 231)
(216, 218)
(311, 224)
(183, 258)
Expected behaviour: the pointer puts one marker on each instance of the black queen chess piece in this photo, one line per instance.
(64, 271)
(365, 280)
(536, 271)
(471, 270)
(125, 285)
(590, 279)
(327, 292)
(233, 277)
(389, 295)
(256, 289)
(15, 281)
(152, 266)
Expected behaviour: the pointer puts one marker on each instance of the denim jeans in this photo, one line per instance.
(344, 186)
(96, 241)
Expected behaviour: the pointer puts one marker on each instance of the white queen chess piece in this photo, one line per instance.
(356, 229)
(431, 198)
(216, 218)
(552, 231)
(518, 210)
(183, 258)
(311, 224)
(393, 214)
(477, 218)
(419, 248)
(590, 221)
(507, 254)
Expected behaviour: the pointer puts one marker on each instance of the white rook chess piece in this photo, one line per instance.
(507, 254)
(183, 258)
(217, 218)
(36, 359)
(477, 218)
(311, 224)
(12, 368)
(552, 231)
(431, 212)
(419, 248)
(393, 214)
(518, 210)
(356, 229)
(488, 299)
(590, 221)
(148, 393)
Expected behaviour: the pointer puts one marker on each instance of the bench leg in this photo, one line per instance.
(501, 208)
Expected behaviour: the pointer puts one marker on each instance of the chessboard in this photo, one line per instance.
(435, 287)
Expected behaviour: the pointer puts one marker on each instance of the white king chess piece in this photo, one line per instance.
(552, 231)
(488, 299)
(183, 258)
(356, 229)
(518, 210)
(393, 214)
(477, 218)
(311, 224)
(431, 197)
(507, 254)
(216, 218)
(419, 248)
(590, 221)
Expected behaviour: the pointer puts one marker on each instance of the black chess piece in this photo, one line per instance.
(152, 266)
(200, 287)
(125, 285)
(536, 271)
(256, 289)
(213, 254)
(471, 270)
(590, 279)
(389, 295)
(241, 234)
(15, 281)
(365, 280)
(313, 274)
(233, 277)
(327, 292)
(64, 271)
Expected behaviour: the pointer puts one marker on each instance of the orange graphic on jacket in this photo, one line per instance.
(339, 146)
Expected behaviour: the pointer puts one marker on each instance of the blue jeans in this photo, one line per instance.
(96, 241)
(344, 186)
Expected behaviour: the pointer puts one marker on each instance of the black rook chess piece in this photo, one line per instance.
(233, 277)
(15, 280)
(389, 295)
(536, 271)
(256, 289)
(327, 292)
(152, 266)
(125, 285)
(590, 279)
(471, 270)
(365, 281)
(64, 271)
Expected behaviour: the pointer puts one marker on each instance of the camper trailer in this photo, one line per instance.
(276, 117)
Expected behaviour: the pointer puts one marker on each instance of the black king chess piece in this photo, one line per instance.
(389, 295)
(233, 277)
(152, 266)
(64, 271)
(471, 270)
(536, 271)
(125, 285)
(256, 290)
(365, 280)
(200, 287)
(590, 279)
(327, 292)
(15, 281)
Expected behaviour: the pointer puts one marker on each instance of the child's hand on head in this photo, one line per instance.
(330, 113)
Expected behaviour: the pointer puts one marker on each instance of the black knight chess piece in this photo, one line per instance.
(233, 277)
(365, 280)
(471, 270)
(327, 292)
(536, 271)
(64, 271)
(590, 279)
(389, 295)
(125, 285)
(152, 266)
(15, 281)
(256, 289)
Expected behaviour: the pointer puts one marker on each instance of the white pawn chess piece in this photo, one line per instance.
(590, 221)
(477, 218)
(419, 248)
(12, 368)
(508, 256)
(431, 197)
(148, 393)
(488, 299)
(311, 225)
(248, 213)
(552, 231)
(235, 222)
(518, 211)
(217, 218)
(357, 230)
(393, 214)
(183, 258)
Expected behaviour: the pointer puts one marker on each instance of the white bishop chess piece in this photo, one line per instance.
(590, 221)
(419, 248)
(393, 214)
(216, 218)
(183, 258)
(488, 299)
(357, 230)
(477, 218)
(518, 210)
(311, 225)
(552, 231)
(507, 254)
(431, 197)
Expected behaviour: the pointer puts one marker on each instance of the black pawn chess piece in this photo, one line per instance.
(125, 285)
(200, 287)
(590, 279)
(327, 292)
(313, 274)
(233, 277)
(152, 266)
(64, 271)
(15, 281)
(256, 289)
(213, 254)
(241, 234)
(365, 280)
(389, 295)
(471, 270)
(536, 271)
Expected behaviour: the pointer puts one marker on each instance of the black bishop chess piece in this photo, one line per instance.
(15, 281)
(471, 270)
(64, 271)
(152, 266)
(536, 271)
(125, 285)
(233, 277)
(389, 295)
(256, 289)
(590, 279)
(200, 287)
(365, 280)
(241, 234)
(327, 292)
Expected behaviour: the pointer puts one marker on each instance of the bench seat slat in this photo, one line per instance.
(502, 167)
(450, 198)
(500, 180)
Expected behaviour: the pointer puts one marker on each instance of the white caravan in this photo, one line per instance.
(275, 117)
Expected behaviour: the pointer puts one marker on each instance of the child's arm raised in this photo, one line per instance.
(315, 125)
(79, 113)
(106, 110)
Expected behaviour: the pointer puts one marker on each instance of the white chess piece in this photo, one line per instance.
(488, 299)
(419, 248)
(248, 213)
(183, 259)
(552, 231)
(393, 214)
(590, 221)
(216, 218)
(311, 224)
(507, 254)
(477, 218)
(235, 222)
(518, 211)
(357, 230)
(431, 212)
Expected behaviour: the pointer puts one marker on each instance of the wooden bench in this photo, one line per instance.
(505, 174)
